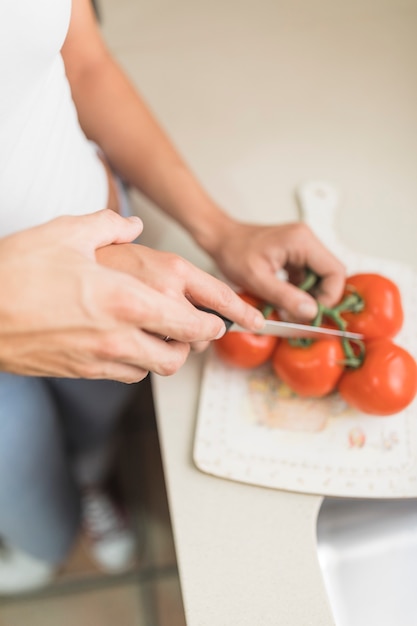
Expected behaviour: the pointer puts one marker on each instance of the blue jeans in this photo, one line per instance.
(44, 423)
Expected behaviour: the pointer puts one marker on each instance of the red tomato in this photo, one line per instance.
(311, 371)
(385, 383)
(382, 315)
(246, 350)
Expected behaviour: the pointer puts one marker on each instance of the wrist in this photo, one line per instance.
(211, 228)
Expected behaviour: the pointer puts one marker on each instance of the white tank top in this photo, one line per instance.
(47, 166)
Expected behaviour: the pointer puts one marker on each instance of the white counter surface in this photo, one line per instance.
(246, 554)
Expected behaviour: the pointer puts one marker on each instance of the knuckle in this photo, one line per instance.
(193, 330)
(111, 347)
(103, 220)
(120, 304)
(109, 216)
(299, 231)
(64, 223)
(177, 265)
(225, 296)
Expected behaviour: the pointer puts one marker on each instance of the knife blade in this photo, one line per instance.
(286, 329)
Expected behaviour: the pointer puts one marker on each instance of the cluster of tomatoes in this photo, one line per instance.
(376, 376)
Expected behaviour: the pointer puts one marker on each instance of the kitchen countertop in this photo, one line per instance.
(260, 97)
(246, 554)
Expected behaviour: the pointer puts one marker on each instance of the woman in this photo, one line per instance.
(85, 303)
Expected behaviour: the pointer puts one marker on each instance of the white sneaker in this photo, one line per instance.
(20, 572)
(112, 541)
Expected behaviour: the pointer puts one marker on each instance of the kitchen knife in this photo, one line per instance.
(286, 329)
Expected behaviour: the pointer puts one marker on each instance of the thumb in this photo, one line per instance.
(104, 228)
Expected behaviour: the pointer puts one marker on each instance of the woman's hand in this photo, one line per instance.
(178, 280)
(252, 255)
(64, 314)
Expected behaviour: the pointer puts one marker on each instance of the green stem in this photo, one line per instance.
(353, 302)
(310, 280)
(303, 342)
(267, 310)
(351, 359)
(319, 317)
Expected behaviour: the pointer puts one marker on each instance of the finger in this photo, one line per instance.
(96, 370)
(103, 228)
(331, 271)
(140, 349)
(200, 346)
(81, 355)
(206, 290)
(331, 288)
(286, 296)
(189, 283)
(132, 302)
(164, 357)
(299, 305)
(184, 323)
(116, 371)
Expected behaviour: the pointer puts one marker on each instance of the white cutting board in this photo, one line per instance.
(252, 429)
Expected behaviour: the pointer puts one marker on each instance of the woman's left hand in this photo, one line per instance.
(252, 255)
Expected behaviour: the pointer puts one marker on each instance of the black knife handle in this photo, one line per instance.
(226, 320)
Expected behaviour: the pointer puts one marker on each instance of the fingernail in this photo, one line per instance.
(259, 321)
(221, 332)
(134, 218)
(283, 315)
(307, 309)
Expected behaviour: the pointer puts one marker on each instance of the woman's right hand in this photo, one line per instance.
(63, 314)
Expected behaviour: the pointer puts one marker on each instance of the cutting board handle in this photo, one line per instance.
(318, 202)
